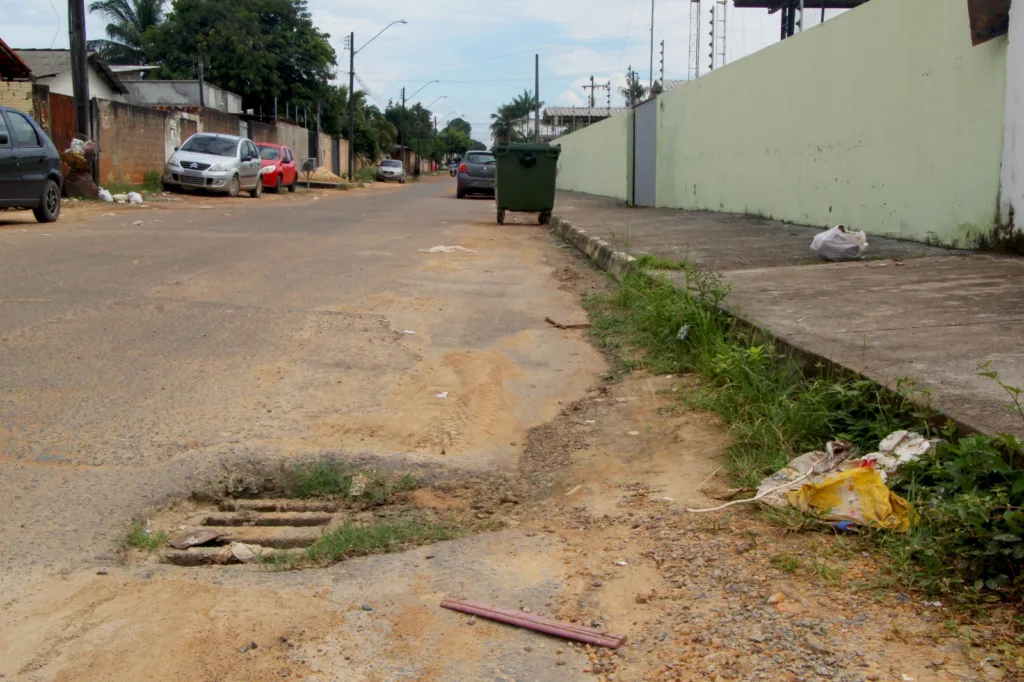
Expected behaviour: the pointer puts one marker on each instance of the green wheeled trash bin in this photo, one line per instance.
(526, 178)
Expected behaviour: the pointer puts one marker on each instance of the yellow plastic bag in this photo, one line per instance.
(857, 495)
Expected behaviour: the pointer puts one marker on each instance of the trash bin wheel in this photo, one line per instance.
(544, 218)
(501, 216)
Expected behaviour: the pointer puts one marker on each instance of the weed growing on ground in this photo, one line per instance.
(968, 492)
(332, 478)
(786, 563)
(774, 410)
(355, 539)
(142, 538)
(366, 174)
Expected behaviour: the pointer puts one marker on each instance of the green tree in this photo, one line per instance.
(461, 124)
(503, 124)
(259, 49)
(129, 22)
(633, 91)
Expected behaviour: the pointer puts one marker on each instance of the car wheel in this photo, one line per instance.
(48, 209)
(169, 188)
(401, 181)
(460, 193)
(257, 191)
(295, 184)
(501, 216)
(277, 185)
(233, 186)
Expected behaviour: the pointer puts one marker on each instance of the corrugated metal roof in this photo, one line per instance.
(583, 112)
(12, 67)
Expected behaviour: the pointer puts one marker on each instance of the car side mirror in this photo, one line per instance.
(177, 148)
(246, 158)
(4, 139)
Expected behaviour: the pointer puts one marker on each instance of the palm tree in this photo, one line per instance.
(503, 123)
(129, 21)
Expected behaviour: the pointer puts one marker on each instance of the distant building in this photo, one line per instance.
(568, 119)
(133, 72)
(181, 94)
(53, 69)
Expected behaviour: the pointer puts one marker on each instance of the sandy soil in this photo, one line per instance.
(584, 482)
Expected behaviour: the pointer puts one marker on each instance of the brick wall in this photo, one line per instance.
(214, 121)
(295, 137)
(16, 95)
(262, 132)
(131, 141)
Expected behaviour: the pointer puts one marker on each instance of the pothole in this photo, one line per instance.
(316, 514)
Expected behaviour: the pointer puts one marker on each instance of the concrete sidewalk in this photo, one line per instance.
(932, 314)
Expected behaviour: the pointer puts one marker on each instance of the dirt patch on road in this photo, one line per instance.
(171, 628)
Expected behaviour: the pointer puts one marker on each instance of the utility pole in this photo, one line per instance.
(202, 94)
(608, 92)
(590, 111)
(662, 66)
(401, 130)
(652, 45)
(714, 24)
(800, 23)
(275, 111)
(79, 73)
(537, 97)
(351, 105)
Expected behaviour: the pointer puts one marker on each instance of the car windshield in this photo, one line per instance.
(208, 144)
(270, 153)
(480, 158)
(391, 164)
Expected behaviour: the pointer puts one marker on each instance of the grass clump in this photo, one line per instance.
(356, 539)
(968, 492)
(774, 410)
(366, 174)
(140, 537)
(331, 478)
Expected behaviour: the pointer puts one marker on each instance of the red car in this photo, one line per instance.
(279, 169)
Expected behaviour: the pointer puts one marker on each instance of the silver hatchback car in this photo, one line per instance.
(217, 163)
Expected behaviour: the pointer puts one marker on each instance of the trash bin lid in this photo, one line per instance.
(505, 148)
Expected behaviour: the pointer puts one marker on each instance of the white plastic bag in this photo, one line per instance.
(838, 244)
(105, 195)
(134, 198)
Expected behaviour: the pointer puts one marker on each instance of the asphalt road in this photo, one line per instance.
(141, 362)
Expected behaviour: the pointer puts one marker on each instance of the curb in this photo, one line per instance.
(618, 263)
(615, 263)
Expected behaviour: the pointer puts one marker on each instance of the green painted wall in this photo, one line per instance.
(884, 118)
(595, 159)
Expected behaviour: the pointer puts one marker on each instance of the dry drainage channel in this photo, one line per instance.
(265, 526)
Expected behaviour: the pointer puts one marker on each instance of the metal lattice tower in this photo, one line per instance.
(694, 57)
(721, 16)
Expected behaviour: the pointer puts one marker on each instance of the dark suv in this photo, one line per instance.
(29, 167)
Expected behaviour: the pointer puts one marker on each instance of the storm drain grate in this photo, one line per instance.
(242, 531)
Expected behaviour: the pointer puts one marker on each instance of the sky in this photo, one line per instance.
(481, 51)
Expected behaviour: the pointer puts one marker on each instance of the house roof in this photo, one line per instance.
(12, 67)
(125, 68)
(45, 63)
(775, 5)
(582, 112)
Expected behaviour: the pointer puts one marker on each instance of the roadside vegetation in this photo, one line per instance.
(140, 537)
(968, 492)
(361, 539)
(330, 478)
